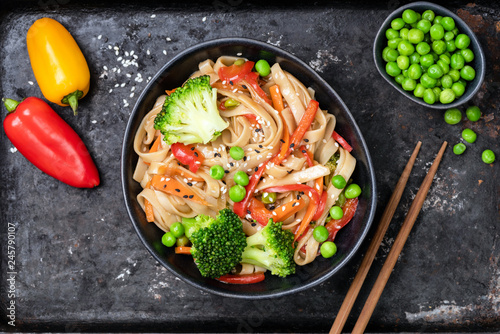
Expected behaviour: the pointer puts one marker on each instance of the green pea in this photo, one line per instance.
(455, 31)
(405, 48)
(429, 96)
(389, 34)
(339, 182)
(462, 41)
(239, 62)
(268, 198)
(393, 43)
(336, 212)
(428, 15)
(241, 178)
(426, 60)
(444, 66)
(468, 55)
(392, 69)
(182, 241)
(473, 113)
(320, 233)
(457, 61)
(453, 116)
(403, 62)
(427, 38)
(447, 96)
(217, 172)
(454, 74)
(467, 73)
(177, 229)
(427, 81)
(439, 47)
(405, 73)
(450, 46)
(437, 19)
(237, 193)
(424, 25)
(403, 33)
(437, 31)
(410, 16)
(236, 152)
(423, 48)
(415, 58)
(488, 156)
(458, 88)
(449, 36)
(419, 90)
(391, 55)
(469, 135)
(352, 191)
(448, 23)
(459, 148)
(230, 103)
(328, 249)
(399, 79)
(435, 71)
(397, 24)
(262, 66)
(415, 36)
(409, 84)
(437, 92)
(168, 239)
(414, 72)
(445, 58)
(446, 81)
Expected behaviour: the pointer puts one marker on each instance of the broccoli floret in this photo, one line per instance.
(190, 115)
(217, 243)
(271, 248)
(333, 162)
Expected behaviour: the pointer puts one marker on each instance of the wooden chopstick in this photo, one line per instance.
(397, 247)
(365, 265)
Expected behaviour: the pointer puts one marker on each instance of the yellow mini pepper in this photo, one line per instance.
(59, 66)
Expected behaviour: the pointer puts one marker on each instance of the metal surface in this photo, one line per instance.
(80, 265)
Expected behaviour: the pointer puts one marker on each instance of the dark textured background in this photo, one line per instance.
(82, 268)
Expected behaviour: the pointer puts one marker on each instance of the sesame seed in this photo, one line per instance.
(190, 184)
(306, 140)
(244, 87)
(185, 196)
(178, 190)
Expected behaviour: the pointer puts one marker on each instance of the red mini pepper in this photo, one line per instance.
(188, 155)
(242, 279)
(49, 143)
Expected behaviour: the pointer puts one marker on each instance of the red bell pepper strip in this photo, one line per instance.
(235, 73)
(251, 78)
(188, 155)
(339, 139)
(259, 212)
(242, 279)
(240, 208)
(300, 131)
(49, 143)
(252, 118)
(311, 209)
(305, 152)
(334, 225)
(321, 205)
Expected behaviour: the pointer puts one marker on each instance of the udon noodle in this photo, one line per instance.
(260, 137)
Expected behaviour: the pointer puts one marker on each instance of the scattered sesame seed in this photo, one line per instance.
(31, 83)
(178, 190)
(99, 37)
(168, 39)
(204, 19)
(153, 16)
(165, 52)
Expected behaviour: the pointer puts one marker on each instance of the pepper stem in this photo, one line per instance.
(72, 100)
(10, 104)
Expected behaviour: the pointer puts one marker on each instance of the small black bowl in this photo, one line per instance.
(479, 63)
(173, 74)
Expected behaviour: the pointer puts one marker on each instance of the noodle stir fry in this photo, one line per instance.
(258, 145)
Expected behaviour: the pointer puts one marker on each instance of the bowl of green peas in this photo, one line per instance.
(429, 55)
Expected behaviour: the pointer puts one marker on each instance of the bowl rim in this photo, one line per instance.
(278, 52)
(474, 40)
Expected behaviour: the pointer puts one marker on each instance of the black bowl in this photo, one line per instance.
(479, 63)
(173, 74)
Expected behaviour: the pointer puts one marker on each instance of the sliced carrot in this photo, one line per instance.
(155, 145)
(284, 211)
(173, 187)
(259, 212)
(148, 208)
(277, 98)
(170, 91)
(183, 250)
